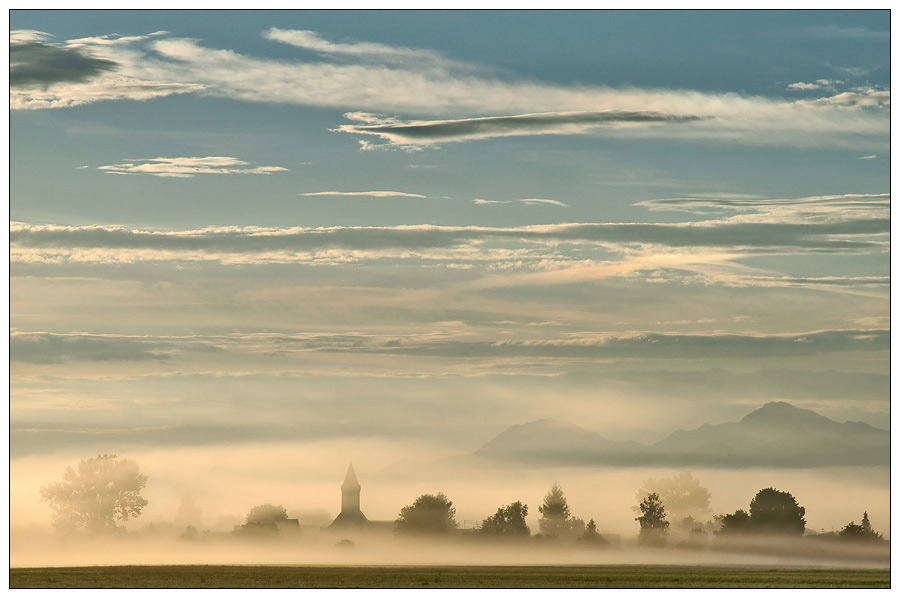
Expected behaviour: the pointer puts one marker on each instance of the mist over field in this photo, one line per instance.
(223, 483)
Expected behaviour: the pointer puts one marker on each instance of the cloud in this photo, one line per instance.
(824, 208)
(28, 36)
(829, 84)
(858, 97)
(706, 251)
(459, 101)
(44, 347)
(381, 53)
(869, 157)
(800, 85)
(563, 123)
(81, 72)
(527, 202)
(112, 40)
(188, 167)
(844, 32)
(655, 346)
(39, 64)
(852, 71)
(365, 194)
(545, 202)
(761, 233)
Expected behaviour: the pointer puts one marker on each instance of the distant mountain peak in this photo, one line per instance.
(781, 413)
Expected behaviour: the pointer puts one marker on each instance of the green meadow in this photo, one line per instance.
(614, 576)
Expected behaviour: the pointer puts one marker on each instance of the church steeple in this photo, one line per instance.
(350, 515)
(350, 491)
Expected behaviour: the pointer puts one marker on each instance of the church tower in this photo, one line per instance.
(351, 515)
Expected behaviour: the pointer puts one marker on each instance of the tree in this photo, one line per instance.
(860, 533)
(775, 512)
(429, 514)
(507, 521)
(554, 513)
(592, 537)
(267, 513)
(262, 520)
(104, 490)
(654, 525)
(736, 523)
(682, 494)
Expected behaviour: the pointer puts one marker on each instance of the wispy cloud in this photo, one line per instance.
(375, 78)
(561, 123)
(381, 53)
(188, 167)
(42, 347)
(869, 157)
(527, 202)
(365, 194)
(825, 208)
(858, 97)
(543, 202)
(844, 32)
(708, 251)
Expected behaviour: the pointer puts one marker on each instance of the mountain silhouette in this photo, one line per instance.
(775, 435)
(550, 440)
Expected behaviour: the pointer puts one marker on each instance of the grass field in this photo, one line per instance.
(614, 576)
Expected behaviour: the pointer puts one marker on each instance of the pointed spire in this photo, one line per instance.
(350, 482)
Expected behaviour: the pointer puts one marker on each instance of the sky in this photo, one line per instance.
(413, 230)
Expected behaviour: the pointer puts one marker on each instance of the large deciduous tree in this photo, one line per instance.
(682, 494)
(103, 490)
(508, 521)
(775, 512)
(429, 514)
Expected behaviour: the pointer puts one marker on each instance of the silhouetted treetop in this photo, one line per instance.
(736, 523)
(554, 513)
(860, 533)
(592, 537)
(429, 514)
(654, 525)
(507, 521)
(775, 512)
(267, 513)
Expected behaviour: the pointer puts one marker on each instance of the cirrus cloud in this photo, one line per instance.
(364, 194)
(188, 167)
(562, 123)
(460, 101)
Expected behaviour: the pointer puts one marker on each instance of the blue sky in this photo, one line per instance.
(429, 226)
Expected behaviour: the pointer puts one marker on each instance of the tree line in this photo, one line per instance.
(106, 490)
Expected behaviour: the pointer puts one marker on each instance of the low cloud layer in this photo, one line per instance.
(851, 224)
(55, 348)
